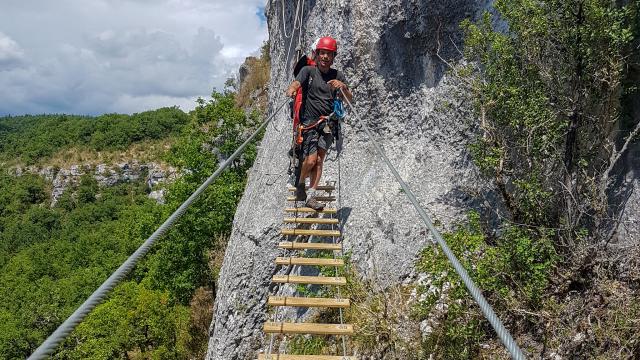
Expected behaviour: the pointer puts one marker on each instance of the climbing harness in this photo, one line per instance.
(302, 129)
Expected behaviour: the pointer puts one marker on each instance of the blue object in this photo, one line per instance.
(338, 108)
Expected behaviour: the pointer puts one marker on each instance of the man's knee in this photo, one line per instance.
(311, 160)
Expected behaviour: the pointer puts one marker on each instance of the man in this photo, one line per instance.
(320, 85)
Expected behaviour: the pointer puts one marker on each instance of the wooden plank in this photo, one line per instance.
(309, 246)
(307, 232)
(319, 198)
(310, 210)
(307, 328)
(309, 261)
(317, 280)
(303, 357)
(308, 302)
(311, 221)
(319, 187)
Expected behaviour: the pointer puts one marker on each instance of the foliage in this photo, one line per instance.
(513, 273)
(301, 345)
(136, 321)
(180, 260)
(64, 254)
(548, 95)
(30, 138)
(551, 82)
(52, 259)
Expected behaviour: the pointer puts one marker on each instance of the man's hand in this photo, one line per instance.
(291, 92)
(337, 84)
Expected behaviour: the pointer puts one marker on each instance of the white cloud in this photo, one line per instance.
(11, 55)
(101, 56)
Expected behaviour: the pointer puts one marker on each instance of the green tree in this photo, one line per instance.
(548, 95)
(134, 323)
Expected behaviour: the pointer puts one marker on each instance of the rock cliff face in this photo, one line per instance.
(391, 54)
(105, 175)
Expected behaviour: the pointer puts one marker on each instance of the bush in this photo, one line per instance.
(513, 273)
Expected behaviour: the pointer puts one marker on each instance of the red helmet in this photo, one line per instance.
(327, 43)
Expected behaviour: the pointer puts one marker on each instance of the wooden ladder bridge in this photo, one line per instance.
(301, 218)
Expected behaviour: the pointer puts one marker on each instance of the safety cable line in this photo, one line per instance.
(284, 23)
(301, 3)
(300, 25)
(475, 292)
(52, 342)
(295, 22)
(341, 228)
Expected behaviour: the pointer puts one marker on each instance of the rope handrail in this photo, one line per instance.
(52, 342)
(475, 292)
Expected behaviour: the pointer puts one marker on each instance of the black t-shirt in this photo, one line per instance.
(317, 96)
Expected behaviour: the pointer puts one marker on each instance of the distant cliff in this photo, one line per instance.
(105, 175)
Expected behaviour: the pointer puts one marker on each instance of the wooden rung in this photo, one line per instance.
(319, 187)
(309, 246)
(318, 280)
(319, 198)
(310, 210)
(307, 328)
(303, 357)
(308, 302)
(311, 221)
(309, 261)
(294, 232)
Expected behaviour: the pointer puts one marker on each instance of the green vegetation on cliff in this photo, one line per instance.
(33, 138)
(549, 93)
(53, 258)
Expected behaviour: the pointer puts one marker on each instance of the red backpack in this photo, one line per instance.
(297, 102)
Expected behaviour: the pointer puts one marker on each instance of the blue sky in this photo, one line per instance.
(100, 56)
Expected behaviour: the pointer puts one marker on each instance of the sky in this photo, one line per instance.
(125, 56)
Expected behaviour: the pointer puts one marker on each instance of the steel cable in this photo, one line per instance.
(341, 228)
(284, 23)
(52, 342)
(475, 292)
(295, 22)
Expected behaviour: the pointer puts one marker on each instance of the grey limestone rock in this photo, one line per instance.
(244, 70)
(390, 53)
(155, 174)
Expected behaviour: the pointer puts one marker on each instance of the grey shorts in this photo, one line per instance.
(314, 139)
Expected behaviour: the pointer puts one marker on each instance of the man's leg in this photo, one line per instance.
(309, 154)
(311, 166)
(323, 144)
(308, 166)
(316, 174)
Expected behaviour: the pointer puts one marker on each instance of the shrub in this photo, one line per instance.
(513, 273)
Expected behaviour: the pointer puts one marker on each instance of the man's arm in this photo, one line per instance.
(293, 88)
